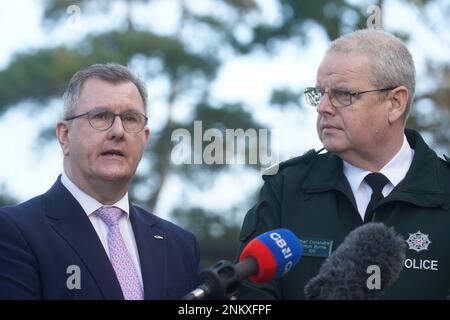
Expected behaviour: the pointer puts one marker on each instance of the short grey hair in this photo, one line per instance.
(391, 62)
(110, 72)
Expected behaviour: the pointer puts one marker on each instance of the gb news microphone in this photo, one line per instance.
(265, 258)
(345, 274)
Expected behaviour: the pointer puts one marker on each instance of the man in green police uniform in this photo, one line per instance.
(364, 90)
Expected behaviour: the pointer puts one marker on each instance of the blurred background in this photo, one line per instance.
(233, 64)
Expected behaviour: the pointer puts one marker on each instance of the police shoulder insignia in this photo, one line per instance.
(304, 158)
(418, 241)
(447, 159)
(307, 156)
(272, 170)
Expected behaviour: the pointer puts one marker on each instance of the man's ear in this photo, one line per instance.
(147, 135)
(62, 133)
(399, 100)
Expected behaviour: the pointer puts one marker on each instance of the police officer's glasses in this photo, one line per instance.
(338, 98)
(102, 119)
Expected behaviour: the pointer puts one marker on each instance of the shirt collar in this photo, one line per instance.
(395, 170)
(88, 203)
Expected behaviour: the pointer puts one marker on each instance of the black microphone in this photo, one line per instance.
(370, 251)
(267, 257)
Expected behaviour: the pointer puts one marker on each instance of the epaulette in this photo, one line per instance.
(305, 158)
(447, 159)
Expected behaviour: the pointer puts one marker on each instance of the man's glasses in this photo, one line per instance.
(102, 120)
(338, 98)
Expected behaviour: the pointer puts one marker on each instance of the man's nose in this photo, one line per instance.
(325, 105)
(116, 131)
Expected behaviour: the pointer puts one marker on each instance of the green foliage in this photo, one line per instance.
(217, 233)
(285, 97)
(242, 5)
(5, 199)
(52, 68)
(297, 16)
(161, 146)
(36, 76)
(435, 123)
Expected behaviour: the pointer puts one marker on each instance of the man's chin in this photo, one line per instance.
(332, 146)
(115, 176)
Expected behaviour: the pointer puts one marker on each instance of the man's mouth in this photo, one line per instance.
(329, 127)
(117, 153)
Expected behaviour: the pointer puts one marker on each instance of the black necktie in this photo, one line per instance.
(376, 181)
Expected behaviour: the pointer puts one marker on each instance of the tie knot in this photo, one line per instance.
(110, 215)
(376, 181)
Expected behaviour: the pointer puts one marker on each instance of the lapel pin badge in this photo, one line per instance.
(158, 237)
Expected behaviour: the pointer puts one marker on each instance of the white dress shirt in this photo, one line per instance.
(395, 170)
(90, 205)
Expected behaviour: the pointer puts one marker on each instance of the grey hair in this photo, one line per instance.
(391, 62)
(111, 72)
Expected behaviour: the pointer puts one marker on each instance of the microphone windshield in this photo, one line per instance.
(345, 273)
(275, 252)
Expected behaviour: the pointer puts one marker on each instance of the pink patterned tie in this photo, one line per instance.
(119, 256)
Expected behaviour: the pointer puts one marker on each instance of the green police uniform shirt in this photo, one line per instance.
(311, 196)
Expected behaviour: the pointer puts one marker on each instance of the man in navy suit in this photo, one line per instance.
(60, 245)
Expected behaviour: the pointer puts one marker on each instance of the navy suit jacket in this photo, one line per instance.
(41, 238)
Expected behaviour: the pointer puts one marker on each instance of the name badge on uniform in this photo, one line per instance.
(315, 247)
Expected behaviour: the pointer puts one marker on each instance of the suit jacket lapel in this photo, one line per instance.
(70, 221)
(151, 246)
